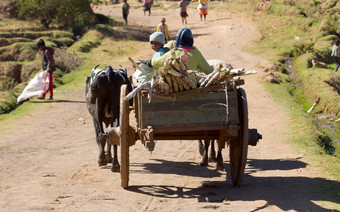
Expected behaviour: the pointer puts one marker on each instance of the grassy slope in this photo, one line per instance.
(279, 24)
(104, 45)
(20, 49)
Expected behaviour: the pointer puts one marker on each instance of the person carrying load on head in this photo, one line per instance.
(192, 57)
(157, 41)
(203, 8)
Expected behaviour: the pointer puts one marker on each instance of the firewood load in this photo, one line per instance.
(173, 77)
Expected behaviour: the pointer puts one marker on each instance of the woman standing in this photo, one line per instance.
(147, 6)
(336, 54)
(163, 28)
(203, 8)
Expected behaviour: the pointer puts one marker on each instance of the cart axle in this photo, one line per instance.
(253, 137)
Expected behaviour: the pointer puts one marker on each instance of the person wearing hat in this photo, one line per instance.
(48, 65)
(193, 59)
(163, 28)
(157, 41)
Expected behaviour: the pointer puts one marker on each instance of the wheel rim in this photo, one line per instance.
(239, 145)
(124, 124)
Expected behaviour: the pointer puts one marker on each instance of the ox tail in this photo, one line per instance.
(114, 96)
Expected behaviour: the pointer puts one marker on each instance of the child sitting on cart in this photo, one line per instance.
(157, 41)
(193, 59)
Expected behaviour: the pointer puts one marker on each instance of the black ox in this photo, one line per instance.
(102, 100)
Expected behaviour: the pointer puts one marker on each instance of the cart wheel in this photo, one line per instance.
(239, 145)
(124, 147)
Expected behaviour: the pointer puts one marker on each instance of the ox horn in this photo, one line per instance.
(123, 68)
(94, 67)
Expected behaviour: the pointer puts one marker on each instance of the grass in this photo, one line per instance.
(107, 51)
(280, 26)
(113, 53)
(305, 137)
(299, 32)
(90, 40)
(14, 24)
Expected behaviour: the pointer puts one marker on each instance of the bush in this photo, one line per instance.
(20, 51)
(90, 40)
(71, 14)
(65, 61)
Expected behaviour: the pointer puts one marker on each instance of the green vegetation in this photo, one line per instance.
(90, 40)
(302, 31)
(68, 14)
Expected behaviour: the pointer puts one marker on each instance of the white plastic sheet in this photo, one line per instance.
(36, 87)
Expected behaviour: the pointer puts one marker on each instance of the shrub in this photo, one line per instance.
(70, 14)
(90, 40)
(65, 61)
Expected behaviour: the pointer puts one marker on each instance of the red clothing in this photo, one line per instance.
(50, 87)
(186, 50)
(203, 11)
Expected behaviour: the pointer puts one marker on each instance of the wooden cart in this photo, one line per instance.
(218, 112)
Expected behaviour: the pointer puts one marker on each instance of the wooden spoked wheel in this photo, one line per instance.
(239, 145)
(124, 146)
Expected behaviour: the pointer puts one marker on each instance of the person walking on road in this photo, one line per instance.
(125, 11)
(48, 65)
(183, 5)
(163, 28)
(147, 6)
(203, 8)
(336, 54)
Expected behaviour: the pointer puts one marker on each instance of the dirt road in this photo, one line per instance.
(50, 161)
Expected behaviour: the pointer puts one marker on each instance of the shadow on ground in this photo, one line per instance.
(59, 101)
(287, 193)
(179, 168)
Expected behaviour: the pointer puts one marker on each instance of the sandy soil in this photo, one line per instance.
(50, 161)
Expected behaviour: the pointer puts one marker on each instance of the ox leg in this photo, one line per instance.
(108, 154)
(200, 147)
(101, 145)
(212, 154)
(219, 160)
(102, 137)
(115, 164)
(205, 154)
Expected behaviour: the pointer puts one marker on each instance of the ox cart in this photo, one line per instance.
(217, 112)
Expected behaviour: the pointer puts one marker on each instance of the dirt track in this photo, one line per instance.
(50, 162)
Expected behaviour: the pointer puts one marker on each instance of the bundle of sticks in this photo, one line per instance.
(174, 77)
(222, 74)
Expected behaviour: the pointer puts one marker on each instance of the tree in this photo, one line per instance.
(71, 14)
